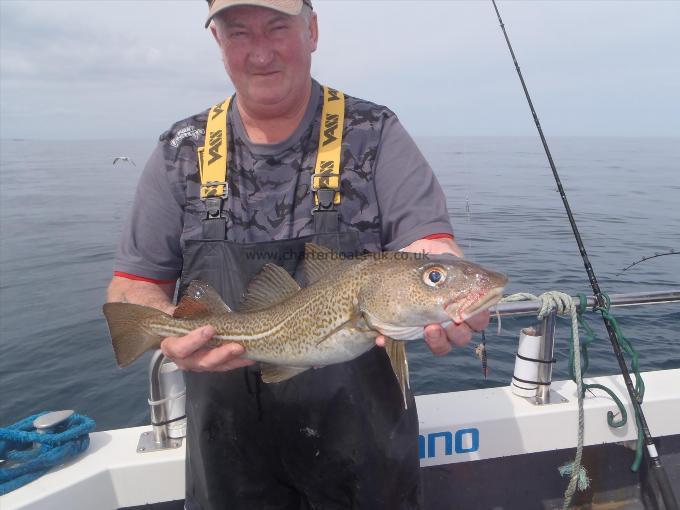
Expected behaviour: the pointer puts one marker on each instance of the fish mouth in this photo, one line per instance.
(474, 304)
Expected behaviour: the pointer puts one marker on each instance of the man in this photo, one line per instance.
(247, 183)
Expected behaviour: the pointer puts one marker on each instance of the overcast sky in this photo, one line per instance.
(130, 68)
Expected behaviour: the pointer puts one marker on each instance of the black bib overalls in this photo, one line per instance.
(331, 438)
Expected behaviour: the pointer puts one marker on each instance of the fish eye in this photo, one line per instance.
(434, 276)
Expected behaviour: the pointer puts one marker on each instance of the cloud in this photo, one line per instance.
(103, 43)
(110, 69)
(130, 68)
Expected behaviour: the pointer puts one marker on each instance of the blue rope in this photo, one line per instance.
(26, 462)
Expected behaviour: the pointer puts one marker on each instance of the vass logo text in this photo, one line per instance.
(327, 167)
(217, 110)
(215, 143)
(333, 95)
(331, 125)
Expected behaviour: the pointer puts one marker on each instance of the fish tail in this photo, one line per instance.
(129, 337)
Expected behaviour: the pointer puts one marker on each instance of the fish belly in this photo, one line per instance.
(343, 345)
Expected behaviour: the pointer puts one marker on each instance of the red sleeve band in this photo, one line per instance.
(439, 236)
(142, 278)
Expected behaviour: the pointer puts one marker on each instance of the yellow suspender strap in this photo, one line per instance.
(212, 157)
(327, 171)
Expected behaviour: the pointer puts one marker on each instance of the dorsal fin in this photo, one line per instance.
(271, 285)
(200, 299)
(318, 261)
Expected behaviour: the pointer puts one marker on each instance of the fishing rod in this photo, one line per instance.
(654, 460)
(672, 252)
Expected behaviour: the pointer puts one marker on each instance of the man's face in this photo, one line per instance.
(267, 54)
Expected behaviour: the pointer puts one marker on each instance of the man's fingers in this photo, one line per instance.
(181, 347)
(436, 339)
(219, 358)
(479, 321)
(440, 340)
(189, 352)
(459, 334)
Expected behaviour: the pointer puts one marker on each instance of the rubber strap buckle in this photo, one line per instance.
(325, 197)
(213, 206)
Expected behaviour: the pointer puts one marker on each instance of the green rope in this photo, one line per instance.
(628, 349)
(627, 346)
(578, 365)
(586, 340)
(563, 304)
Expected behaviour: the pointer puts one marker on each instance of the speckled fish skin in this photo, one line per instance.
(338, 317)
(311, 328)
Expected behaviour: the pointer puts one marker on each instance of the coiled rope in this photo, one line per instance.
(564, 304)
(29, 454)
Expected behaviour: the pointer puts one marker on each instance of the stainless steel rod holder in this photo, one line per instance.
(547, 354)
(160, 437)
(158, 414)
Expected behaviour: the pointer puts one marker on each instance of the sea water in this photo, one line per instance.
(62, 205)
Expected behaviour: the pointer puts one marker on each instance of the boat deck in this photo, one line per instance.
(480, 449)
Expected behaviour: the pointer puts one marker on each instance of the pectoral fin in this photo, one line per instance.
(278, 373)
(396, 351)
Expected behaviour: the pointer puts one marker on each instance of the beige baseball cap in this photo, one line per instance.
(291, 7)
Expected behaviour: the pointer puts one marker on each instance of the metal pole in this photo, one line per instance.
(519, 308)
(655, 461)
(547, 354)
(161, 436)
(157, 410)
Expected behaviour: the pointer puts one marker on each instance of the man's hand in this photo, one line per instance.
(442, 340)
(189, 352)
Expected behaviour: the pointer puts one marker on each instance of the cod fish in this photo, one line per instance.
(347, 303)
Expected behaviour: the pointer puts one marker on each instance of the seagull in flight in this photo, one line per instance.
(123, 158)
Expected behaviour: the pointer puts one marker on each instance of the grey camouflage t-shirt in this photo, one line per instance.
(389, 193)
